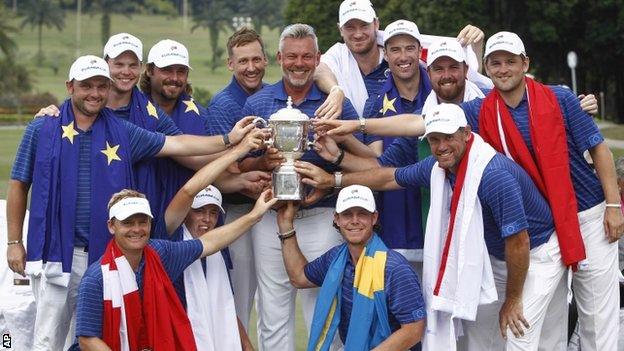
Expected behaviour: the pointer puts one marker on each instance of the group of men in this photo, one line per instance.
(493, 172)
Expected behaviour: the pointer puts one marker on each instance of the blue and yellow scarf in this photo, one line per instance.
(368, 324)
(51, 225)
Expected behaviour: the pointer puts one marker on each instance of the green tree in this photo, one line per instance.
(320, 14)
(7, 45)
(40, 13)
(216, 16)
(267, 13)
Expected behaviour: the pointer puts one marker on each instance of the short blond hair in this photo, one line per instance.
(124, 194)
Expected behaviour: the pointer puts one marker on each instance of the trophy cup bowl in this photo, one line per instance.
(289, 134)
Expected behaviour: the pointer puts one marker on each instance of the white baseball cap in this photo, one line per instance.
(505, 41)
(88, 66)
(358, 9)
(119, 43)
(445, 48)
(401, 27)
(208, 196)
(355, 196)
(168, 52)
(128, 207)
(445, 119)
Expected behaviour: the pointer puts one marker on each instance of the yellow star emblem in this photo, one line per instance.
(387, 105)
(151, 110)
(190, 106)
(69, 132)
(111, 153)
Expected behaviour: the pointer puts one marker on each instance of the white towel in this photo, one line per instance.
(344, 66)
(468, 280)
(210, 304)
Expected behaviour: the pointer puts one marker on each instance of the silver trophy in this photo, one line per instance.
(289, 134)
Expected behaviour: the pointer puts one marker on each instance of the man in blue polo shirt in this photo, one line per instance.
(516, 225)
(247, 60)
(143, 284)
(601, 224)
(399, 309)
(98, 151)
(298, 56)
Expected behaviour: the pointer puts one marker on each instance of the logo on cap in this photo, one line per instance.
(174, 48)
(500, 36)
(354, 191)
(443, 43)
(92, 62)
(353, 3)
(125, 37)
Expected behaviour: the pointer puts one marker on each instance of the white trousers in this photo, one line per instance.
(243, 274)
(544, 275)
(276, 296)
(55, 322)
(595, 285)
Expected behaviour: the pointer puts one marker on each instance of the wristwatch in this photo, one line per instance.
(362, 125)
(338, 180)
(226, 140)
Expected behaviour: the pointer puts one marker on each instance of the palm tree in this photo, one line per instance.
(7, 45)
(40, 13)
(215, 15)
(107, 8)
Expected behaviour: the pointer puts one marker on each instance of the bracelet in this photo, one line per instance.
(339, 159)
(614, 205)
(288, 234)
(14, 242)
(226, 140)
(334, 88)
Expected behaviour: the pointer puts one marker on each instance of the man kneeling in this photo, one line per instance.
(368, 292)
(126, 299)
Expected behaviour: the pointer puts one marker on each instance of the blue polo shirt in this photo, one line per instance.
(226, 108)
(143, 144)
(224, 111)
(400, 211)
(376, 79)
(582, 134)
(510, 201)
(403, 293)
(175, 257)
(273, 97)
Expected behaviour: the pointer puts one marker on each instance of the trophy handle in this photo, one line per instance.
(262, 123)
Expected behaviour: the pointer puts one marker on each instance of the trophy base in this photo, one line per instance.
(287, 183)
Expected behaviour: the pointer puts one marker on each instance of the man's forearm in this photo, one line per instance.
(605, 170)
(399, 125)
(404, 338)
(220, 237)
(181, 203)
(17, 199)
(191, 145)
(517, 257)
(295, 262)
(92, 344)
(324, 78)
(353, 163)
(376, 179)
